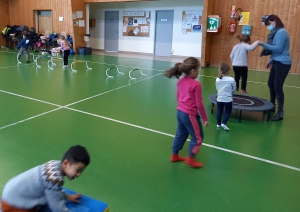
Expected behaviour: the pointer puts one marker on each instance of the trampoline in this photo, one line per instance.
(243, 102)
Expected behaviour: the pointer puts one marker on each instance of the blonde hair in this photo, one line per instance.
(186, 67)
(63, 38)
(223, 69)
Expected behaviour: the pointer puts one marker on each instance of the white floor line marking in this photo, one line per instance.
(26, 97)
(170, 135)
(111, 90)
(26, 64)
(289, 86)
(133, 125)
(18, 122)
(126, 66)
(60, 106)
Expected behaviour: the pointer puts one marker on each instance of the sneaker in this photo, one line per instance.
(218, 126)
(176, 158)
(65, 66)
(244, 91)
(225, 127)
(192, 162)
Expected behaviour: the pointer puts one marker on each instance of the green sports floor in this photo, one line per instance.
(128, 127)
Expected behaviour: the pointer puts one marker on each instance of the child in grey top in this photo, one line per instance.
(239, 57)
(42, 185)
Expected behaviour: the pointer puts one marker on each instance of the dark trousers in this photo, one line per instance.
(188, 124)
(278, 73)
(66, 55)
(228, 109)
(241, 71)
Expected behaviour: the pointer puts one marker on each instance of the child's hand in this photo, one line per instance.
(74, 198)
(259, 42)
(206, 123)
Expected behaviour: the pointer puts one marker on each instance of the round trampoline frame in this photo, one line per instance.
(265, 108)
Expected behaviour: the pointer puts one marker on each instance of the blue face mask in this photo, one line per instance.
(271, 27)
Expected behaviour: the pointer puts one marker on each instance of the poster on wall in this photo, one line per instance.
(191, 21)
(136, 23)
(245, 17)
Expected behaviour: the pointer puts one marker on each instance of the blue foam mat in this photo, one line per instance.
(86, 204)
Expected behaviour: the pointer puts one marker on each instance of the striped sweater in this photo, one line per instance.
(41, 185)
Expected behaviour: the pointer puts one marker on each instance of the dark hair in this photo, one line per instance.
(277, 20)
(77, 154)
(244, 38)
(223, 69)
(185, 67)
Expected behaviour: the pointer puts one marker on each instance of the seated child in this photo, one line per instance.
(42, 185)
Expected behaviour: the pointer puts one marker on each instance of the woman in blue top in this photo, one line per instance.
(278, 47)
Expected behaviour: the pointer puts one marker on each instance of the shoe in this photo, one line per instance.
(192, 162)
(218, 126)
(225, 127)
(177, 158)
(278, 116)
(65, 66)
(244, 91)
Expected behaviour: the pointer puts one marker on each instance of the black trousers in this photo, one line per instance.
(278, 73)
(66, 55)
(241, 71)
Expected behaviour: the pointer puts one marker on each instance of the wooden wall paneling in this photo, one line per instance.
(4, 18)
(209, 7)
(78, 39)
(91, 1)
(296, 58)
(222, 43)
(261, 30)
(45, 24)
(21, 13)
(293, 27)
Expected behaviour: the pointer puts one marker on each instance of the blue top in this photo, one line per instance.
(25, 43)
(280, 47)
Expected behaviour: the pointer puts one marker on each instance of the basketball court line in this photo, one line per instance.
(61, 106)
(126, 66)
(289, 86)
(26, 97)
(112, 90)
(32, 117)
(170, 135)
(133, 125)
(136, 126)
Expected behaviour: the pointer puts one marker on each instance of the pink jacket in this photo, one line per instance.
(189, 97)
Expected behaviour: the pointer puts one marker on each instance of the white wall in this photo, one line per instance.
(183, 44)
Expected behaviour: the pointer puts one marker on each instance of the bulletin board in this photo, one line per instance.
(136, 23)
(191, 21)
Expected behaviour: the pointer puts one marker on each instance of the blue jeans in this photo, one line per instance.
(188, 124)
(228, 109)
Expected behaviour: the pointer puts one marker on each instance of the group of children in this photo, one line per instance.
(189, 98)
(25, 43)
(42, 185)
